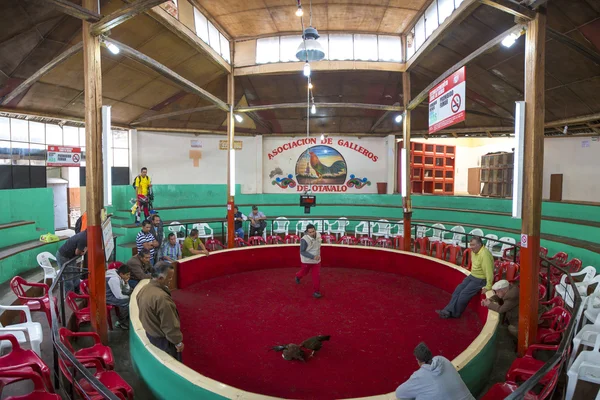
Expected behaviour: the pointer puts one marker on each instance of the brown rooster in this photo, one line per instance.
(290, 352)
(322, 169)
(315, 343)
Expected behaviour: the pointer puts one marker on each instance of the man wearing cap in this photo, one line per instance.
(505, 301)
(435, 379)
(481, 279)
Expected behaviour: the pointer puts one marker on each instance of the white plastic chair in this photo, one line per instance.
(301, 226)
(361, 229)
(458, 232)
(380, 228)
(25, 332)
(585, 337)
(583, 278)
(318, 223)
(474, 232)
(438, 233)
(490, 241)
(204, 230)
(176, 227)
(45, 261)
(508, 243)
(337, 227)
(421, 231)
(592, 308)
(585, 368)
(280, 225)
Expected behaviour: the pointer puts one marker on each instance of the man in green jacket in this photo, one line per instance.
(158, 312)
(480, 280)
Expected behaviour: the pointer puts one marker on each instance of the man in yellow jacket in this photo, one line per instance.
(480, 280)
(142, 184)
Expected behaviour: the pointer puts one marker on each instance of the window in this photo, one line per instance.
(365, 47)
(37, 154)
(420, 32)
(4, 128)
(120, 148)
(390, 48)
(54, 134)
(82, 136)
(70, 136)
(201, 24)
(4, 152)
(431, 19)
(445, 7)
(213, 36)
(341, 47)
(457, 3)
(287, 48)
(225, 48)
(267, 50)
(37, 132)
(19, 130)
(20, 153)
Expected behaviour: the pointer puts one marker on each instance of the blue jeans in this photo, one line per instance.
(240, 232)
(463, 293)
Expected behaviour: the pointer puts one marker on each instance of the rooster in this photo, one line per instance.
(290, 352)
(321, 169)
(315, 343)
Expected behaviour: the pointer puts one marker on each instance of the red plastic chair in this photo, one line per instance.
(384, 243)
(19, 358)
(239, 242)
(256, 241)
(82, 314)
(399, 242)
(85, 290)
(499, 266)
(573, 266)
(559, 258)
(288, 239)
(452, 251)
(347, 239)
(525, 367)
(327, 238)
(366, 241)
(213, 244)
(501, 390)
(542, 291)
(274, 239)
(466, 255)
(110, 379)
(507, 254)
(554, 302)
(512, 271)
(115, 265)
(422, 245)
(40, 304)
(97, 350)
(558, 318)
(437, 247)
(39, 392)
(543, 251)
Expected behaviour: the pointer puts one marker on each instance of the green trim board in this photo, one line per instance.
(23, 261)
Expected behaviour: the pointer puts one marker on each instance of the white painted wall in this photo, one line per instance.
(579, 164)
(167, 157)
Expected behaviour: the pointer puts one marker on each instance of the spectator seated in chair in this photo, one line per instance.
(239, 219)
(170, 250)
(118, 292)
(139, 267)
(505, 301)
(192, 243)
(257, 222)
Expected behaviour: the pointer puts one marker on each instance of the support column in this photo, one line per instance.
(230, 162)
(406, 202)
(94, 181)
(390, 142)
(259, 163)
(533, 155)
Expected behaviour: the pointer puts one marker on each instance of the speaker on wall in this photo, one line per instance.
(37, 176)
(6, 177)
(20, 177)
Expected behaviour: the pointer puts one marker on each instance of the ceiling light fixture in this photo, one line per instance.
(112, 48)
(322, 137)
(313, 109)
(239, 118)
(398, 118)
(306, 69)
(299, 11)
(309, 49)
(310, 85)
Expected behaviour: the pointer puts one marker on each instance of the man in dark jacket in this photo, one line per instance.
(139, 267)
(158, 312)
(74, 247)
(505, 301)
(157, 231)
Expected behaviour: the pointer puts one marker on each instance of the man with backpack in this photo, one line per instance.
(142, 185)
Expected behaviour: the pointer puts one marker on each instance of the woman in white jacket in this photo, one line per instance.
(118, 292)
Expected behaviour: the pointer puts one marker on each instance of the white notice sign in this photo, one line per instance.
(107, 238)
(63, 156)
(447, 102)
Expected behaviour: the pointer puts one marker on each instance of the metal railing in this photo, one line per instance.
(69, 272)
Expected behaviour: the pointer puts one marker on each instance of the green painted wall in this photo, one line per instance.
(475, 374)
(24, 261)
(28, 205)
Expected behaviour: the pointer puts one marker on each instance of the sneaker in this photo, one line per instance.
(317, 295)
(120, 325)
(443, 314)
(297, 280)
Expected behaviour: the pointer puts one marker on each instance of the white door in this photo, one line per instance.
(59, 191)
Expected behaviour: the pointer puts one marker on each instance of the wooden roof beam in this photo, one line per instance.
(168, 73)
(41, 72)
(482, 50)
(123, 14)
(590, 54)
(511, 8)
(174, 114)
(75, 10)
(381, 107)
(464, 10)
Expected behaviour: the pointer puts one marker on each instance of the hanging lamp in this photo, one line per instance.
(310, 50)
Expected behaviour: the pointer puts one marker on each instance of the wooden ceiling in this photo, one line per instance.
(252, 18)
(34, 33)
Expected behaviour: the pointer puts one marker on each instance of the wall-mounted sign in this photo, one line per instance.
(447, 102)
(63, 156)
(223, 145)
(196, 143)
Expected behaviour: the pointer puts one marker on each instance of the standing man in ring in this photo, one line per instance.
(310, 258)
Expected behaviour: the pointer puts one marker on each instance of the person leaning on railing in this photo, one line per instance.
(158, 312)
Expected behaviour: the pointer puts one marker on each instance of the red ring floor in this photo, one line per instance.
(375, 320)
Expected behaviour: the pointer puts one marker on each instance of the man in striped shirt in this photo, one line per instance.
(145, 240)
